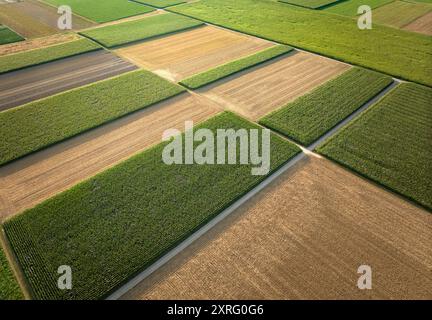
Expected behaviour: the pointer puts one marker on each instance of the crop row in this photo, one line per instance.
(9, 288)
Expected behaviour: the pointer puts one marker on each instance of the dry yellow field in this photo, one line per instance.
(181, 55)
(421, 25)
(27, 182)
(304, 237)
(260, 90)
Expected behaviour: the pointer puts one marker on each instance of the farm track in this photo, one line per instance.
(22, 86)
(262, 89)
(304, 237)
(421, 25)
(187, 53)
(27, 182)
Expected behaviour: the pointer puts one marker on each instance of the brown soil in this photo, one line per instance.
(28, 181)
(37, 43)
(421, 25)
(183, 54)
(260, 90)
(304, 237)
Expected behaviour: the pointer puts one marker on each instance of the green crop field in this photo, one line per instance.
(161, 3)
(349, 8)
(313, 4)
(230, 68)
(400, 13)
(103, 11)
(117, 223)
(391, 143)
(312, 115)
(399, 53)
(127, 32)
(24, 59)
(39, 124)
(9, 288)
(8, 36)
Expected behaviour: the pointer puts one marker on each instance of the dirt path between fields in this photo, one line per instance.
(27, 182)
(304, 237)
(37, 82)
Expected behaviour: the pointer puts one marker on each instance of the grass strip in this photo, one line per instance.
(8, 36)
(391, 143)
(230, 68)
(42, 123)
(103, 11)
(312, 4)
(312, 115)
(403, 54)
(146, 28)
(34, 57)
(9, 288)
(114, 225)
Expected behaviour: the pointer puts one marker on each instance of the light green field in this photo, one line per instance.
(391, 143)
(103, 11)
(161, 3)
(41, 123)
(38, 56)
(8, 36)
(127, 32)
(399, 53)
(230, 68)
(350, 8)
(119, 222)
(313, 4)
(400, 13)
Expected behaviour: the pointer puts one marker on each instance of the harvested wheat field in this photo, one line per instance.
(260, 90)
(28, 181)
(304, 237)
(34, 19)
(421, 25)
(184, 54)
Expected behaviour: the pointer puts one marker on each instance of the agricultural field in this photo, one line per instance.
(93, 215)
(187, 53)
(233, 67)
(391, 143)
(421, 25)
(41, 123)
(103, 11)
(313, 114)
(8, 36)
(41, 81)
(161, 3)
(27, 182)
(384, 49)
(260, 90)
(313, 4)
(350, 8)
(143, 29)
(304, 246)
(9, 288)
(35, 57)
(400, 13)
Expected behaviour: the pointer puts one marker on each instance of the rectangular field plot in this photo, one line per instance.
(262, 89)
(142, 29)
(350, 7)
(297, 237)
(44, 122)
(33, 83)
(9, 288)
(8, 36)
(182, 55)
(29, 181)
(117, 223)
(400, 13)
(312, 115)
(313, 4)
(421, 25)
(103, 11)
(391, 143)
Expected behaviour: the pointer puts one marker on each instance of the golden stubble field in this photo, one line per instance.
(304, 237)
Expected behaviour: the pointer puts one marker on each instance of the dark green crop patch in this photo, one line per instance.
(9, 288)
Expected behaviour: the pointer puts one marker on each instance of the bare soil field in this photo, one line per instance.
(37, 43)
(421, 25)
(304, 237)
(34, 19)
(37, 82)
(28, 181)
(260, 90)
(184, 54)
